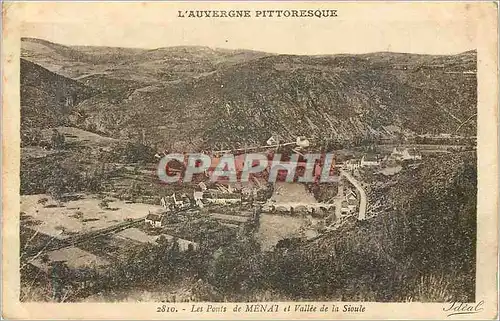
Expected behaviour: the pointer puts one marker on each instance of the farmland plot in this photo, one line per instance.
(79, 216)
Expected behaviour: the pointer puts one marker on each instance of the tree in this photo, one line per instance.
(57, 139)
(104, 204)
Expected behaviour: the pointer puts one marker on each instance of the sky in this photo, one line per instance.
(445, 28)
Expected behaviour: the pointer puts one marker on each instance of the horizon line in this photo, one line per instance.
(244, 49)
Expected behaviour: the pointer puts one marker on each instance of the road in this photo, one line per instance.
(363, 200)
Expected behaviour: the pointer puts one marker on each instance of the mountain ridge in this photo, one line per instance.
(202, 101)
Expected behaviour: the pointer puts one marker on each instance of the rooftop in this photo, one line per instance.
(153, 217)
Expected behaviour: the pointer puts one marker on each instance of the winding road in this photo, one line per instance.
(362, 194)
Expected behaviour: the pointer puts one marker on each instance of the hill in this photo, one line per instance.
(197, 97)
(345, 98)
(131, 64)
(47, 99)
(422, 248)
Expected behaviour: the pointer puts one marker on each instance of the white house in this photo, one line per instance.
(369, 160)
(351, 199)
(302, 142)
(155, 220)
(221, 198)
(223, 201)
(414, 154)
(198, 196)
(351, 164)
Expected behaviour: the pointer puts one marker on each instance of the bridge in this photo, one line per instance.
(288, 197)
(298, 207)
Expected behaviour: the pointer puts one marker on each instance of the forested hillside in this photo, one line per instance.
(197, 97)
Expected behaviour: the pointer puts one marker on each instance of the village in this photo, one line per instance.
(346, 201)
(107, 230)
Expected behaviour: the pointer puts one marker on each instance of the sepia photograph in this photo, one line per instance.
(165, 167)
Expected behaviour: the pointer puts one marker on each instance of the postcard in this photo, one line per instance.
(250, 160)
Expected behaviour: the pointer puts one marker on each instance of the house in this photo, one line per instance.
(302, 142)
(443, 135)
(198, 196)
(414, 154)
(350, 194)
(154, 220)
(344, 208)
(164, 202)
(221, 198)
(401, 153)
(352, 164)
(398, 153)
(178, 202)
(172, 202)
(169, 202)
(369, 160)
(352, 204)
(351, 199)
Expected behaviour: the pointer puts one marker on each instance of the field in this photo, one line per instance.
(230, 218)
(274, 228)
(135, 234)
(291, 193)
(74, 257)
(78, 216)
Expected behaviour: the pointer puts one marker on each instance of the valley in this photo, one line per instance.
(399, 225)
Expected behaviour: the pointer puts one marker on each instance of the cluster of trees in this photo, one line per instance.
(57, 139)
(152, 265)
(31, 137)
(61, 173)
(131, 152)
(34, 137)
(56, 175)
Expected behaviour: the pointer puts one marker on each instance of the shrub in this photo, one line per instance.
(104, 204)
